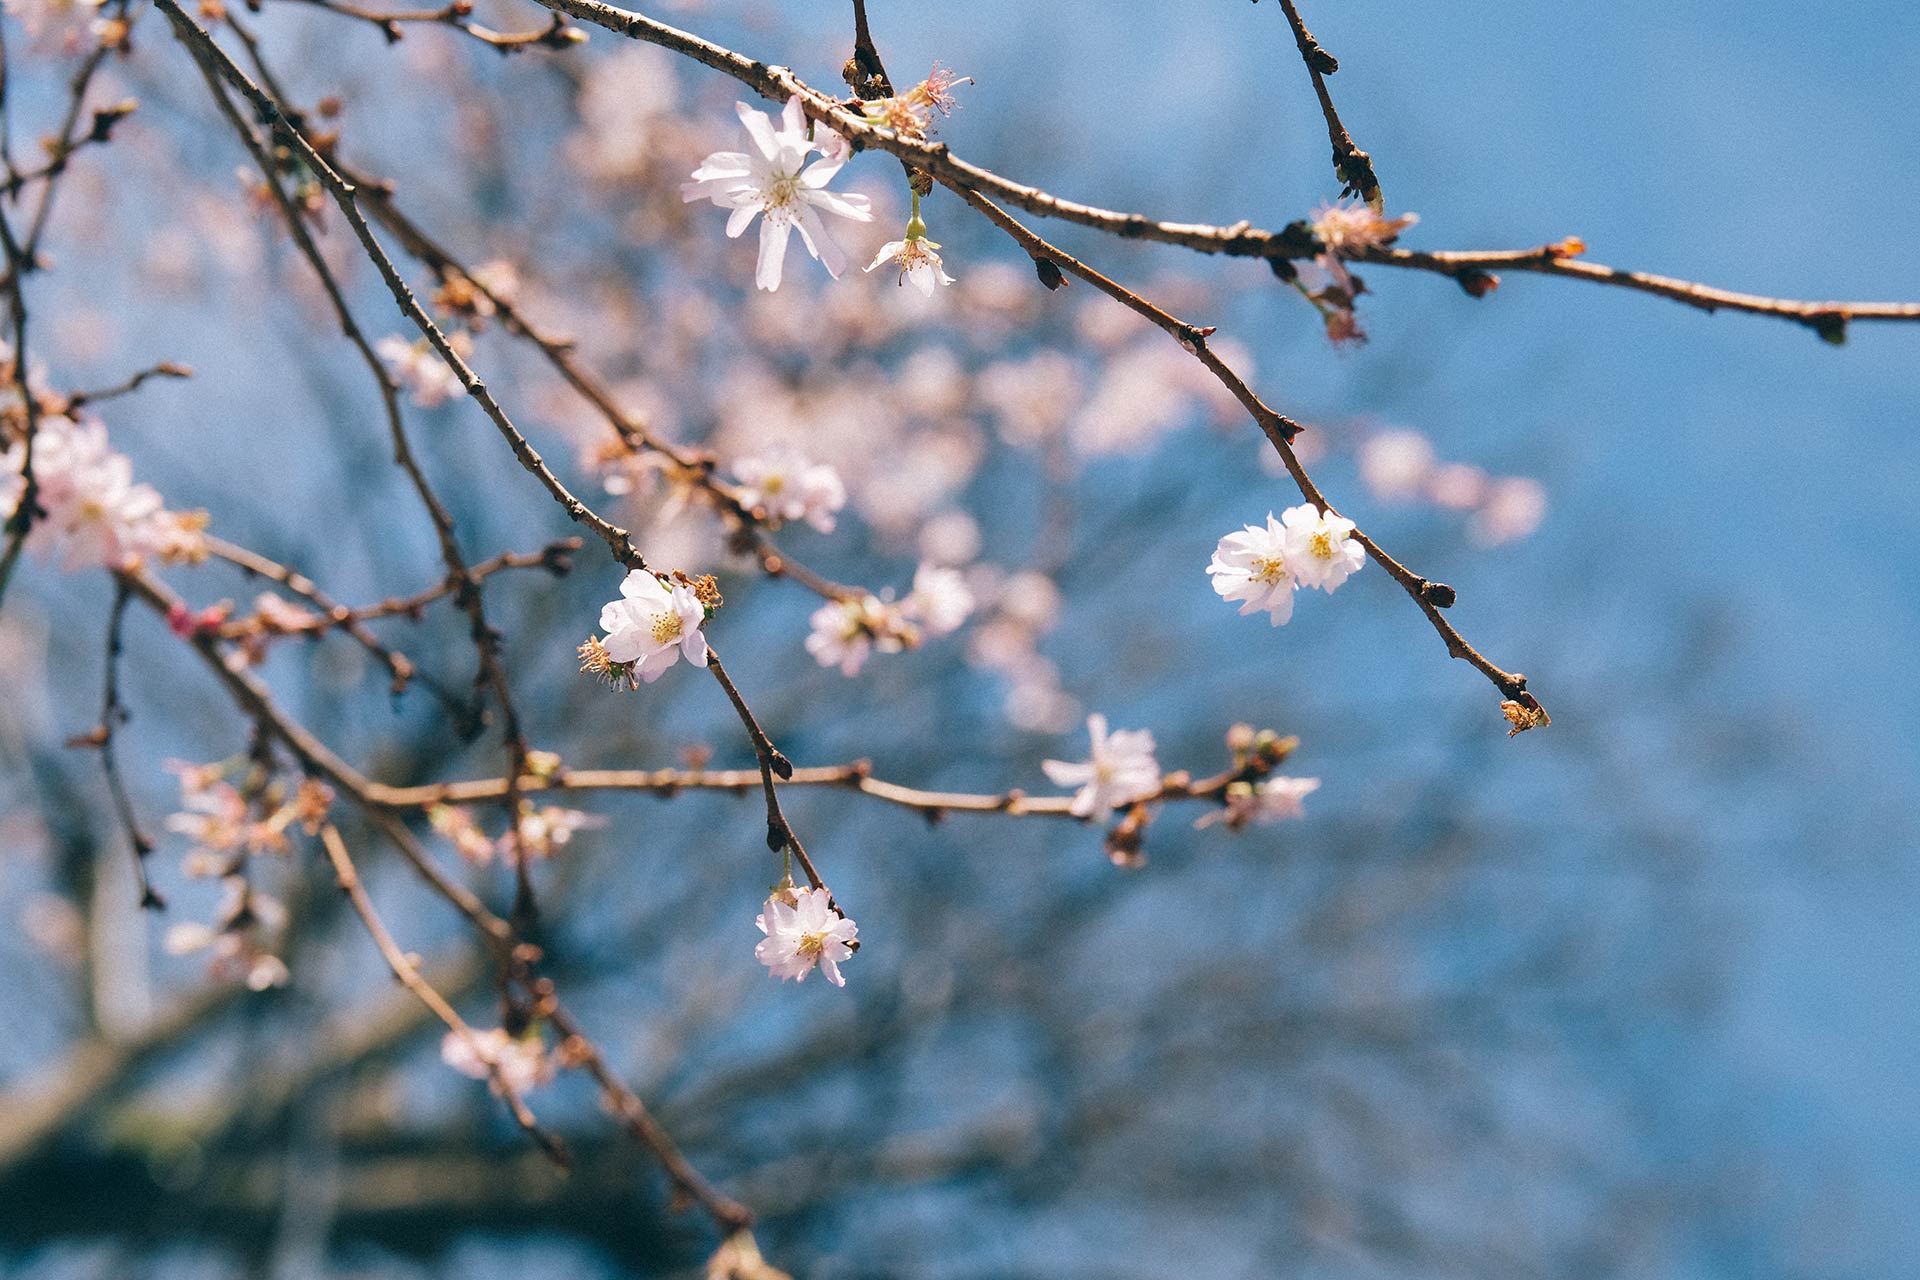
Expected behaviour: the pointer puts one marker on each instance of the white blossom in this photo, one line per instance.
(654, 625)
(770, 179)
(940, 601)
(1513, 509)
(1320, 548)
(846, 632)
(96, 513)
(1395, 464)
(919, 261)
(420, 370)
(788, 486)
(523, 1062)
(804, 931)
(1120, 770)
(1251, 566)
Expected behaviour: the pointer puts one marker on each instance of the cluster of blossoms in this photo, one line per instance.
(543, 830)
(1255, 798)
(1263, 566)
(1121, 774)
(846, 632)
(654, 624)
(774, 181)
(1346, 231)
(1400, 466)
(522, 1061)
(94, 513)
(419, 369)
(1024, 608)
(228, 825)
(787, 486)
(804, 931)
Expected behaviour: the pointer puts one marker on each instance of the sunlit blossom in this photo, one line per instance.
(804, 931)
(1252, 567)
(1320, 548)
(774, 179)
(653, 625)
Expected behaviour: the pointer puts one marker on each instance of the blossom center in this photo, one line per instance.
(1270, 570)
(783, 191)
(773, 484)
(1322, 545)
(667, 627)
(810, 946)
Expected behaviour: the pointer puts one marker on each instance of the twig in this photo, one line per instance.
(215, 65)
(113, 714)
(408, 972)
(780, 834)
(457, 15)
(1432, 597)
(1241, 239)
(164, 369)
(1351, 165)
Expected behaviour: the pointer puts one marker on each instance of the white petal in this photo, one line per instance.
(773, 252)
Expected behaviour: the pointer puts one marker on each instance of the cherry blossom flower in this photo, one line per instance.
(911, 114)
(940, 601)
(770, 180)
(918, 259)
(235, 939)
(1270, 801)
(456, 822)
(804, 931)
(1513, 509)
(1395, 464)
(653, 625)
(523, 1061)
(788, 486)
(846, 632)
(1320, 548)
(420, 370)
(1120, 770)
(1252, 566)
(96, 514)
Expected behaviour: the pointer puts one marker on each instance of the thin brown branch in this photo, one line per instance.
(1351, 165)
(1241, 239)
(556, 558)
(517, 956)
(407, 970)
(1279, 430)
(127, 386)
(780, 833)
(215, 66)
(459, 16)
(113, 714)
(856, 776)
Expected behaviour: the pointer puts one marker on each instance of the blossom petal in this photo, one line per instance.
(773, 252)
